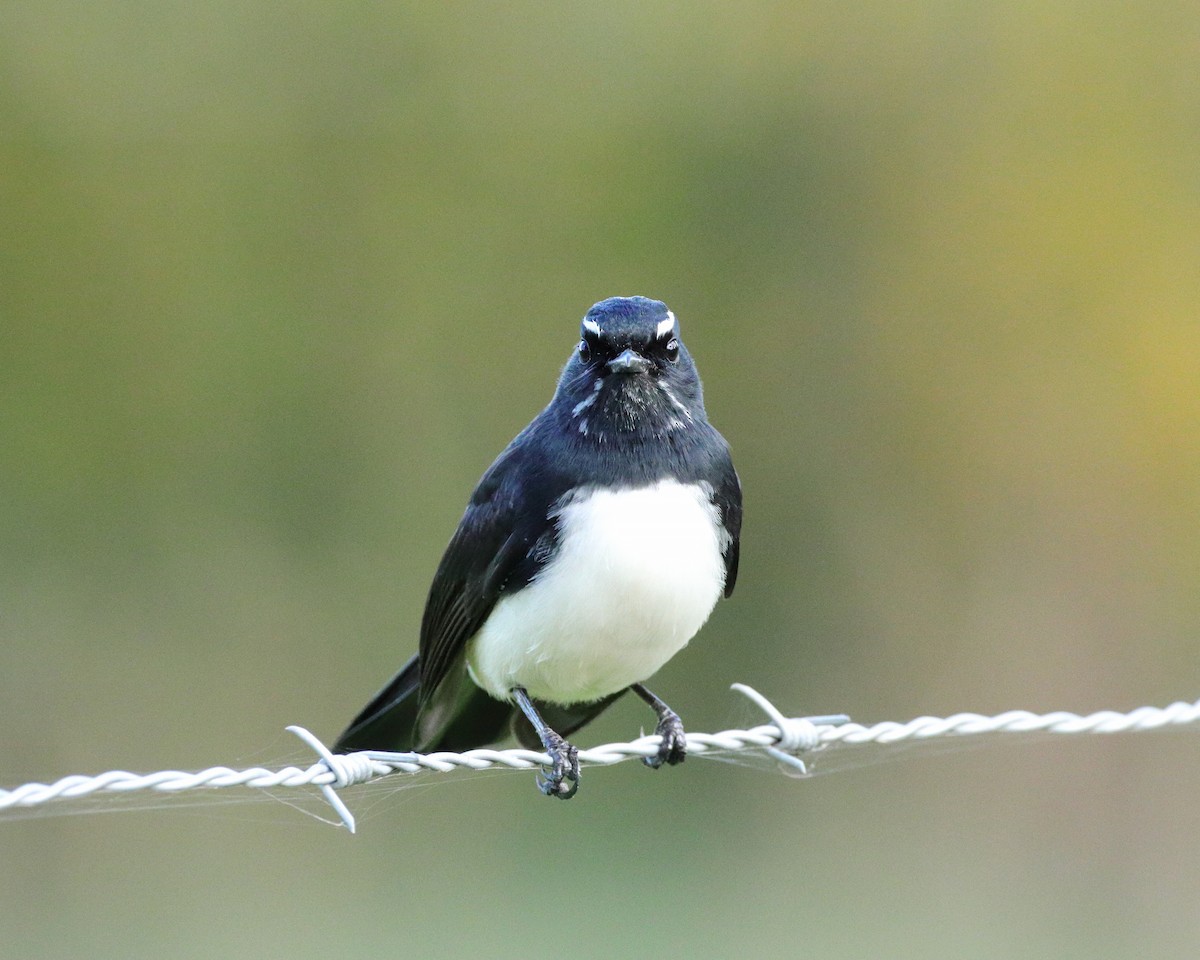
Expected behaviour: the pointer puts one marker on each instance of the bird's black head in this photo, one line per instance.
(630, 374)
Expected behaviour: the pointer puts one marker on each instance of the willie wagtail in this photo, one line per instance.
(590, 553)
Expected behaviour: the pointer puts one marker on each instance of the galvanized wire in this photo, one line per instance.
(789, 740)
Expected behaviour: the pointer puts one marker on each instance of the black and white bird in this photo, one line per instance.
(590, 553)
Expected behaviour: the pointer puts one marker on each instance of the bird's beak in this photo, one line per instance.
(629, 361)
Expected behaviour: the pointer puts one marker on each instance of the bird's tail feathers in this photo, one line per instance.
(456, 716)
(388, 721)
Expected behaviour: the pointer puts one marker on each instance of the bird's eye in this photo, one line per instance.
(585, 351)
(672, 349)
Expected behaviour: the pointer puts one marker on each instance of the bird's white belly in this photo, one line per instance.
(636, 574)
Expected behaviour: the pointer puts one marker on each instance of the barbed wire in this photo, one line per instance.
(792, 741)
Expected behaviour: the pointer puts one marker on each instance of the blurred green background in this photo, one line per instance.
(277, 283)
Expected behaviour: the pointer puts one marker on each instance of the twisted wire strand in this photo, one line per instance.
(785, 739)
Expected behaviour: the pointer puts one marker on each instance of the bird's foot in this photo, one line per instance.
(562, 778)
(673, 748)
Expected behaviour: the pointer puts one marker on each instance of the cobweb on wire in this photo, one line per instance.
(798, 746)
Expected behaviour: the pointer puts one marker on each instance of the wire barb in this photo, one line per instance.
(783, 739)
(796, 734)
(346, 769)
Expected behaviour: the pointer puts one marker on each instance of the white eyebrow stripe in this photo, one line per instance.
(592, 327)
(665, 326)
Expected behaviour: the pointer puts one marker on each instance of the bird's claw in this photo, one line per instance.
(673, 748)
(562, 779)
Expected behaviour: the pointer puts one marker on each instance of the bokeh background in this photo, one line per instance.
(278, 281)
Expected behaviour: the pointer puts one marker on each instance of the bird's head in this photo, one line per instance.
(630, 373)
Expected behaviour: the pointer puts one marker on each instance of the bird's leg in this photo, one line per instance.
(673, 748)
(562, 780)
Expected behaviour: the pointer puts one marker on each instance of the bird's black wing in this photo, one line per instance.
(727, 495)
(502, 540)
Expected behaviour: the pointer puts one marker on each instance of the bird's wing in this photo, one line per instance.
(502, 540)
(727, 495)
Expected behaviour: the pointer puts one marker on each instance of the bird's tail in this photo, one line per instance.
(400, 717)
(388, 721)
(457, 716)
